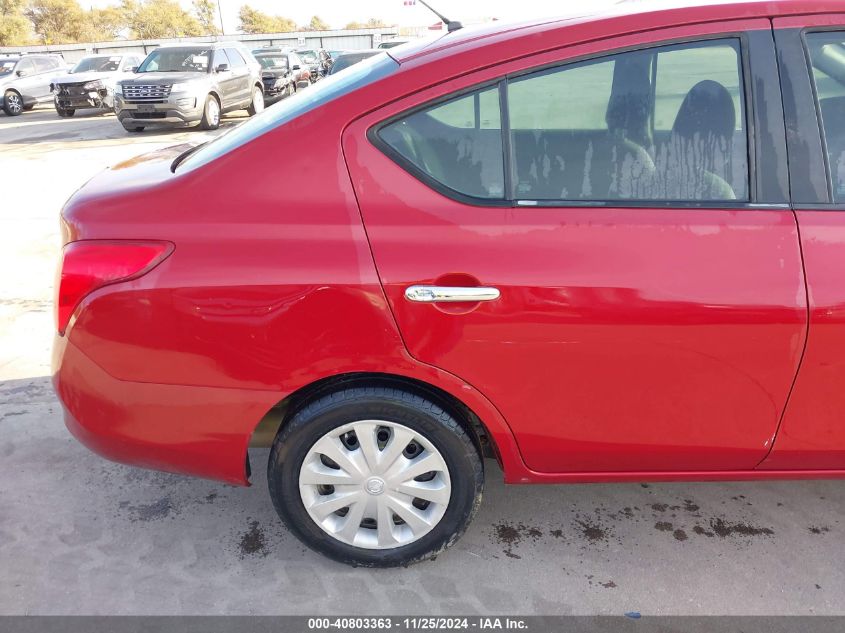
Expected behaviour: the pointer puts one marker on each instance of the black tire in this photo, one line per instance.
(440, 428)
(12, 103)
(65, 112)
(256, 105)
(209, 121)
(133, 128)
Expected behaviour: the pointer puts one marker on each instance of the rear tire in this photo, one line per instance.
(411, 528)
(257, 103)
(210, 114)
(12, 103)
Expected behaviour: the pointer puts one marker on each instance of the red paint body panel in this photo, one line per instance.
(677, 331)
(812, 433)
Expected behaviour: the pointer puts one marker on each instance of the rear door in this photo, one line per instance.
(812, 62)
(226, 80)
(27, 84)
(45, 69)
(242, 78)
(613, 220)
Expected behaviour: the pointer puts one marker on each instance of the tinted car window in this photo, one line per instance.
(235, 58)
(827, 53)
(657, 124)
(457, 143)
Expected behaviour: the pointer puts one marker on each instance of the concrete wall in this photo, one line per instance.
(332, 40)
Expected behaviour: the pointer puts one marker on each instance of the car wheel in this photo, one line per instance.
(257, 103)
(210, 114)
(12, 103)
(65, 112)
(290, 90)
(376, 477)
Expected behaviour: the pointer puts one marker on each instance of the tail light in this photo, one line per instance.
(91, 264)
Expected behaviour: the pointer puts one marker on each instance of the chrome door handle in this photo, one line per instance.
(450, 294)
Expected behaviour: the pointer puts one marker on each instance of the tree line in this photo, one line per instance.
(65, 21)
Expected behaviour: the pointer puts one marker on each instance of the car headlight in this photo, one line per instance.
(118, 90)
(279, 82)
(93, 85)
(181, 87)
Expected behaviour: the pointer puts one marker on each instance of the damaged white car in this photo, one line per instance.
(90, 84)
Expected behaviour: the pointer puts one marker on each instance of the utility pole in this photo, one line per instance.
(220, 11)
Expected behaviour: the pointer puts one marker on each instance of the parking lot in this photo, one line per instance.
(79, 535)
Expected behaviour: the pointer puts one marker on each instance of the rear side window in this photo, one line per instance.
(827, 55)
(458, 143)
(660, 124)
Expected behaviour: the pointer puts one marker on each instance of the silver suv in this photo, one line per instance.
(25, 81)
(187, 85)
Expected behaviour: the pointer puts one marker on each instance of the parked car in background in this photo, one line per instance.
(351, 58)
(282, 74)
(189, 85)
(25, 81)
(598, 250)
(91, 82)
(318, 60)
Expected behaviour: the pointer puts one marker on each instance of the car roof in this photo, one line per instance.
(623, 17)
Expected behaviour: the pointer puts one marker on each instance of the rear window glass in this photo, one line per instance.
(322, 92)
(457, 143)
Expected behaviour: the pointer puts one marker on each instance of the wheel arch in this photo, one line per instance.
(480, 431)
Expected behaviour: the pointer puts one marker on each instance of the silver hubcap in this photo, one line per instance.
(14, 102)
(375, 484)
(213, 111)
(257, 101)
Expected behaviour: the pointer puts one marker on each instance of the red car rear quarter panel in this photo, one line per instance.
(271, 285)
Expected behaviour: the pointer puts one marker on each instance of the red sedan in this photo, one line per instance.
(605, 248)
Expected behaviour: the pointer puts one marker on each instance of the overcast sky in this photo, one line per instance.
(338, 13)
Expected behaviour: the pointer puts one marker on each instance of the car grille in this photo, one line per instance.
(72, 90)
(146, 94)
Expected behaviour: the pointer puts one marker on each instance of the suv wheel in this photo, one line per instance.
(12, 103)
(257, 103)
(65, 112)
(210, 114)
(376, 477)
